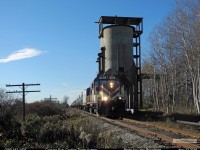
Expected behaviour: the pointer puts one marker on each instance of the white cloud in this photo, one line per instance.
(21, 54)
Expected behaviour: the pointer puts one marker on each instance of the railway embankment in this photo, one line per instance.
(93, 132)
(74, 128)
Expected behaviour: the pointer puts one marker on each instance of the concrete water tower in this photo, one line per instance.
(120, 53)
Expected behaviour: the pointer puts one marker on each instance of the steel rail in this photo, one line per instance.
(147, 132)
(150, 133)
(173, 130)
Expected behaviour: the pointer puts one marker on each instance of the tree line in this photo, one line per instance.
(174, 61)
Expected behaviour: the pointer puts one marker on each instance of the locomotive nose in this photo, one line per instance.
(113, 108)
(111, 85)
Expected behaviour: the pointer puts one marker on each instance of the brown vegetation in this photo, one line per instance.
(43, 128)
(44, 108)
(174, 62)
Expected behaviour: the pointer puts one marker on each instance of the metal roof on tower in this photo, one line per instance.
(135, 22)
(120, 20)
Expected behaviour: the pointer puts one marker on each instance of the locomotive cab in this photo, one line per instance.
(109, 93)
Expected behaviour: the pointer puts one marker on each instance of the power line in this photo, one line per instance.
(50, 99)
(23, 86)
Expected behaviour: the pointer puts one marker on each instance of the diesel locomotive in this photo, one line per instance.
(105, 97)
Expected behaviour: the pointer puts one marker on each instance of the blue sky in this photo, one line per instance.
(55, 42)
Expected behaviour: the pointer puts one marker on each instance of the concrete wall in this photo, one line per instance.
(118, 43)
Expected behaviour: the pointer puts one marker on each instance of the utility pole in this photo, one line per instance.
(50, 99)
(23, 86)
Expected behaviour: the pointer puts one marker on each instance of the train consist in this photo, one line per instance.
(118, 84)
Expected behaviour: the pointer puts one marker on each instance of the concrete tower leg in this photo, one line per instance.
(131, 97)
(135, 97)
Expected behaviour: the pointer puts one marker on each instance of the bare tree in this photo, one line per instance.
(188, 21)
(6, 103)
(175, 46)
(65, 101)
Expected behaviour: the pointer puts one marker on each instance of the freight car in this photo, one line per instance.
(118, 85)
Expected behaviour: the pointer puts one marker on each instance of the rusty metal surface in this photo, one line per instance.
(188, 122)
(177, 131)
(152, 134)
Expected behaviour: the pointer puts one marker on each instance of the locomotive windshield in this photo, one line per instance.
(106, 88)
(105, 82)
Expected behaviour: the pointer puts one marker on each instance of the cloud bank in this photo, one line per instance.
(21, 54)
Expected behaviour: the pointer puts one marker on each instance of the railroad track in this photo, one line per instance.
(175, 137)
(172, 136)
(173, 130)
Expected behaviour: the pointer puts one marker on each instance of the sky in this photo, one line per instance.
(55, 42)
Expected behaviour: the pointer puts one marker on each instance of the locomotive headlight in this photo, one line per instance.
(111, 84)
(105, 98)
(119, 97)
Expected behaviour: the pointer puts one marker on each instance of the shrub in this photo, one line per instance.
(44, 108)
(31, 128)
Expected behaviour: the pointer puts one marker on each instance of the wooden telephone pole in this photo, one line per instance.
(23, 86)
(50, 99)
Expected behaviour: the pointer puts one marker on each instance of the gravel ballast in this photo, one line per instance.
(96, 133)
